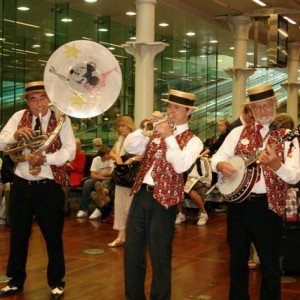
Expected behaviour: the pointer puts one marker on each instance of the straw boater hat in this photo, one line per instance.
(181, 98)
(33, 87)
(260, 93)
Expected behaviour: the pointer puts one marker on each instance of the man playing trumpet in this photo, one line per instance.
(158, 188)
(37, 194)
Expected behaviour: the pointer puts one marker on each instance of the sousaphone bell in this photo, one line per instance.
(82, 80)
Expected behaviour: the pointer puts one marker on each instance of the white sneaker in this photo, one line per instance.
(180, 218)
(202, 219)
(82, 214)
(96, 214)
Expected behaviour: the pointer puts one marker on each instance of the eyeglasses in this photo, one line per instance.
(266, 106)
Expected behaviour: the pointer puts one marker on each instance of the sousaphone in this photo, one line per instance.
(83, 80)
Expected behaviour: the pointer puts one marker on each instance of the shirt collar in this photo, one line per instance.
(181, 128)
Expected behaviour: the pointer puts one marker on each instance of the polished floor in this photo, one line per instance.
(95, 271)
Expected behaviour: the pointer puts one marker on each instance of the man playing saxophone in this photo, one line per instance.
(37, 188)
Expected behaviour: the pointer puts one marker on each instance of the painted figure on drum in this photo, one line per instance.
(257, 216)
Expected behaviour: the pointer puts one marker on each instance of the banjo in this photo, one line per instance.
(239, 187)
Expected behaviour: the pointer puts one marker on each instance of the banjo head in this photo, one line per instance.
(82, 79)
(232, 185)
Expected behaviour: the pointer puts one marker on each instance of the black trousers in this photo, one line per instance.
(45, 201)
(148, 224)
(252, 221)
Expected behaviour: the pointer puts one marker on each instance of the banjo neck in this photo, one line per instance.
(286, 137)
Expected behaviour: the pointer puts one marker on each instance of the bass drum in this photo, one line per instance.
(82, 79)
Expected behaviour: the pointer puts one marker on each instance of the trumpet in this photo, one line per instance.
(148, 125)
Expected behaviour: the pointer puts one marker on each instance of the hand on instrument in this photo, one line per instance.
(227, 169)
(270, 158)
(164, 127)
(35, 159)
(23, 133)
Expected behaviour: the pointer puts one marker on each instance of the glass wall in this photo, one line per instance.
(27, 42)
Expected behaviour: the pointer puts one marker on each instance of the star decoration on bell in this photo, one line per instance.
(71, 51)
(78, 99)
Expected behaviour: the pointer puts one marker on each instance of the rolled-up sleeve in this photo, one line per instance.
(182, 160)
(68, 149)
(136, 142)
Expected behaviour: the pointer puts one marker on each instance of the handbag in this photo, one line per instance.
(124, 174)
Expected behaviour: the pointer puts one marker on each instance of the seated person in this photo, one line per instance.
(197, 195)
(75, 168)
(101, 169)
(97, 143)
(198, 182)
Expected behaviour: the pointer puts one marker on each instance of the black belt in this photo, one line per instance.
(148, 187)
(34, 182)
(254, 196)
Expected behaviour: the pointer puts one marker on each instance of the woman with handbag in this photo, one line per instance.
(123, 198)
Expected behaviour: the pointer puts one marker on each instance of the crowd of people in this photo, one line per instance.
(174, 165)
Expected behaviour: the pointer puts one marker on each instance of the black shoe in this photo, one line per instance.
(9, 290)
(57, 292)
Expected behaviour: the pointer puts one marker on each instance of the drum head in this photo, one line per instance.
(82, 79)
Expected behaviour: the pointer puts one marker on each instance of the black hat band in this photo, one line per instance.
(34, 88)
(262, 95)
(181, 100)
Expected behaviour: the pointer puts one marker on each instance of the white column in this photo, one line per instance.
(240, 26)
(292, 86)
(144, 50)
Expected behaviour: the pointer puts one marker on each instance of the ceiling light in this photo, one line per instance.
(36, 46)
(259, 2)
(103, 29)
(190, 33)
(182, 51)
(282, 32)
(90, 1)
(264, 58)
(111, 48)
(250, 53)
(21, 23)
(66, 20)
(23, 8)
(49, 34)
(231, 48)
(290, 20)
(213, 41)
(163, 24)
(131, 13)
(133, 38)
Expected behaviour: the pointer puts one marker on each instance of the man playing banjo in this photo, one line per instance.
(257, 217)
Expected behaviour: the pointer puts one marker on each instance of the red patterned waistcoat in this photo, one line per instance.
(275, 186)
(168, 185)
(59, 173)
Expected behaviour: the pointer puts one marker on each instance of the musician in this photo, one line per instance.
(258, 218)
(157, 190)
(37, 189)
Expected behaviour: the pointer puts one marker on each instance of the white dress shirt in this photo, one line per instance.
(288, 172)
(181, 160)
(58, 158)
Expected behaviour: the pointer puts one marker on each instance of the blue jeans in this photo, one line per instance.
(87, 188)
